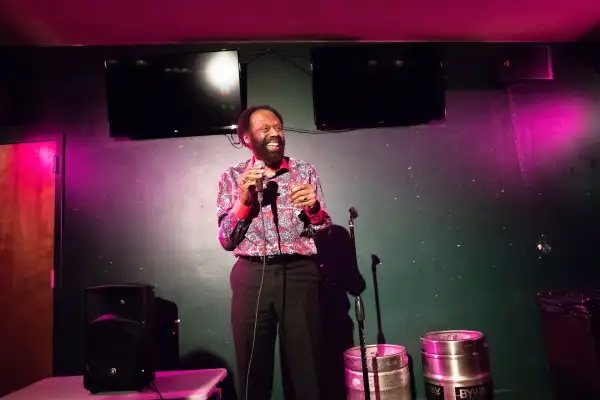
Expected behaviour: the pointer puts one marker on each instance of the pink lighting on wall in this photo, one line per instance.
(549, 128)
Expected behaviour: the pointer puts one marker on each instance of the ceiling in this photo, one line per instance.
(118, 22)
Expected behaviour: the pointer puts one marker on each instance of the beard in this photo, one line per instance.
(269, 156)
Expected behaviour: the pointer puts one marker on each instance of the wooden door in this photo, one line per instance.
(27, 199)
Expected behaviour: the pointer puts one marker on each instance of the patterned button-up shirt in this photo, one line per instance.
(287, 229)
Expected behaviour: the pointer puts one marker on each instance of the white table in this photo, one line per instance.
(192, 385)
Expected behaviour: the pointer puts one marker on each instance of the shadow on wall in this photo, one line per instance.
(204, 359)
(339, 277)
(166, 334)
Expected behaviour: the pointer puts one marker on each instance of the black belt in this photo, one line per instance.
(275, 259)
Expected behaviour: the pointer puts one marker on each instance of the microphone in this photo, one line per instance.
(260, 183)
(359, 309)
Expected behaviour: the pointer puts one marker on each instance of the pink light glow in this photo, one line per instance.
(35, 157)
(549, 128)
(47, 155)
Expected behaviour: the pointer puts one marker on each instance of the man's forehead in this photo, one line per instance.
(264, 117)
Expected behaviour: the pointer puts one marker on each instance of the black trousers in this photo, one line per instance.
(289, 306)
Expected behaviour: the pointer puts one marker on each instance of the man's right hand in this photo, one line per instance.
(247, 183)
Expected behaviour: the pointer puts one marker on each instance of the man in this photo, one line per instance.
(274, 281)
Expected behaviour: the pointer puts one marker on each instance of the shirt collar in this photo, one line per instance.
(285, 165)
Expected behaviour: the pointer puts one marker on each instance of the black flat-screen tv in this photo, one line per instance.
(174, 95)
(368, 85)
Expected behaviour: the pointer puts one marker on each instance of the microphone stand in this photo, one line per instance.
(374, 263)
(360, 314)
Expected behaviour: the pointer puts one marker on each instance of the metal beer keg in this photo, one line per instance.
(456, 366)
(389, 374)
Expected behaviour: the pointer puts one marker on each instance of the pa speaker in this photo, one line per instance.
(118, 338)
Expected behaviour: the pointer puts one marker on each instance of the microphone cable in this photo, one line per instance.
(262, 279)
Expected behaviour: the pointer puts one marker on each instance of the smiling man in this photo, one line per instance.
(275, 280)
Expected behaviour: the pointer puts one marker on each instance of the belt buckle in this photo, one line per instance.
(270, 258)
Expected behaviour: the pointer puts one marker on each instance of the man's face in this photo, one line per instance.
(265, 137)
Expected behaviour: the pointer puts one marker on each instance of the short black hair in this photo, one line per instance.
(243, 124)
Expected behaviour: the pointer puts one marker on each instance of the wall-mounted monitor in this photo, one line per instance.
(174, 95)
(367, 85)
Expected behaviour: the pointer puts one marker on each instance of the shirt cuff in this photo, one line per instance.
(241, 210)
(315, 218)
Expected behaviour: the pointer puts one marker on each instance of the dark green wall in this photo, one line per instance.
(454, 210)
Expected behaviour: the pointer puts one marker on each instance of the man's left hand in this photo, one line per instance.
(303, 195)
